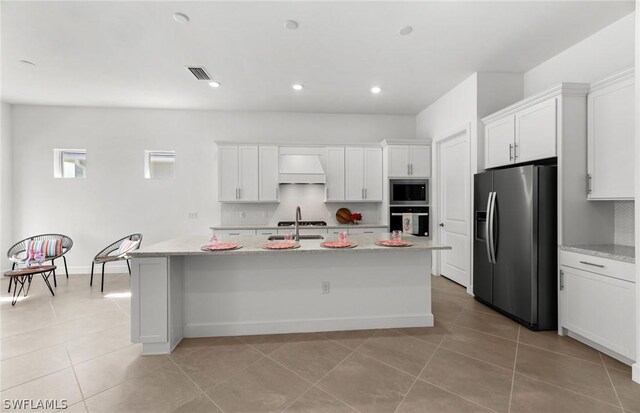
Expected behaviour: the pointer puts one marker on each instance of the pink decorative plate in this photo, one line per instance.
(393, 243)
(338, 244)
(222, 247)
(281, 245)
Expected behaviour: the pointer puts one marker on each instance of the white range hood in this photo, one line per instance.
(302, 165)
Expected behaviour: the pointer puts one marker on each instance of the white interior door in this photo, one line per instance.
(454, 199)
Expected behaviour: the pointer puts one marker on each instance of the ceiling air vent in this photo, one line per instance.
(199, 73)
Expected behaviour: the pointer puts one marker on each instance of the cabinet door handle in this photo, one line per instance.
(592, 264)
(408, 170)
(365, 193)
(239, 193)
(588, 184)
(515, 152)
(411, 169)
(277, 192)
(561, 280)
(234, 233)
(511, 152)
(236, 193)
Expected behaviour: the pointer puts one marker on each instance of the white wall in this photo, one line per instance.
(477, 96)
(115, 199)
(636, 365)
(605, 52)
(454, 109)
(6, 227)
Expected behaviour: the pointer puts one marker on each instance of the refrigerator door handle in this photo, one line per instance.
(491, 235)
(489, 225)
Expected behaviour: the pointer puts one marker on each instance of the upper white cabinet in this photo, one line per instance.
(499, 138)
(268, 176)
(408, 161)
(610, 131)
(238, 173)
(334, 188)
(536, 130)
(363, 174)
(228, 165)
(525, 135)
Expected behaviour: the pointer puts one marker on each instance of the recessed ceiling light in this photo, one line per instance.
(215, 84)
(181, 17)
(406, 30)
(375, 90)
(291, 24)
(297, 86)
(26, 62)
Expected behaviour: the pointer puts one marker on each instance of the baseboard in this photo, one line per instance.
(600, 348)
(111, 268)
(305, 326)
(86, 269)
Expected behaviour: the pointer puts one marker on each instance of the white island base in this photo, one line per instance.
(177, 296)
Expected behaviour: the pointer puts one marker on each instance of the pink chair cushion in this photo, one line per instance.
(126, 246)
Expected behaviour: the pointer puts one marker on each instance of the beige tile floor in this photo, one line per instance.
(75, 346)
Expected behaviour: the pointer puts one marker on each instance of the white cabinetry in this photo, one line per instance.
(408, 161)
(268, 176)
(354, 230)
(303, 231)
(234, 232)
(149, 302)
(499, 138)
(524, 135)
(363, 174)
(597, 302)
(334, 187)
(536, 132)
(610, 131)
(238, 173)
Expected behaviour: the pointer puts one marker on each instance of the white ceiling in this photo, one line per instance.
(133, 54)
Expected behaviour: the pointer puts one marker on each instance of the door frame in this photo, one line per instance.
(464, 130)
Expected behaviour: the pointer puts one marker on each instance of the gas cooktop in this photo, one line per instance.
(303, 223)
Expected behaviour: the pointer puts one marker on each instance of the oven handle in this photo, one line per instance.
(422, 214)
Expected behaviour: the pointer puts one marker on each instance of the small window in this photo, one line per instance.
(159, 164)
(70, 163)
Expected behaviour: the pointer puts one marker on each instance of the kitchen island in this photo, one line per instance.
(180, 291)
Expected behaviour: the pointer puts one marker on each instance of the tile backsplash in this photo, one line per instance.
(624, 222)
(310, 198)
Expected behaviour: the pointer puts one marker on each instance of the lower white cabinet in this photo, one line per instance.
(596, 305)
(235, 232)
(367, 230)
(305, 231)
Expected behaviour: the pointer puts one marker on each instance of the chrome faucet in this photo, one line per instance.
(298, 218)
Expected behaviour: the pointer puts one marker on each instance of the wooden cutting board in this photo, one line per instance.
(343, 216)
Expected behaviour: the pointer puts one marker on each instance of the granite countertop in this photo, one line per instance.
(329, 226)
(252, 245)
(612, 251)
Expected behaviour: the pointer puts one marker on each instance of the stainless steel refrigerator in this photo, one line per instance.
(515, 243)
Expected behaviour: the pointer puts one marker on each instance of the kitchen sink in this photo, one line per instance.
(275, 237)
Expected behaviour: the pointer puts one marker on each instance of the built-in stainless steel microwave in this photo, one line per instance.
(409, 192)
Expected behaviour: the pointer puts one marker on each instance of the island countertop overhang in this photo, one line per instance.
(253, 245)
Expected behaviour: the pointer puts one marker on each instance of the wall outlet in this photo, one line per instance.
(325, 287)
(193, 215)
(243, 215)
